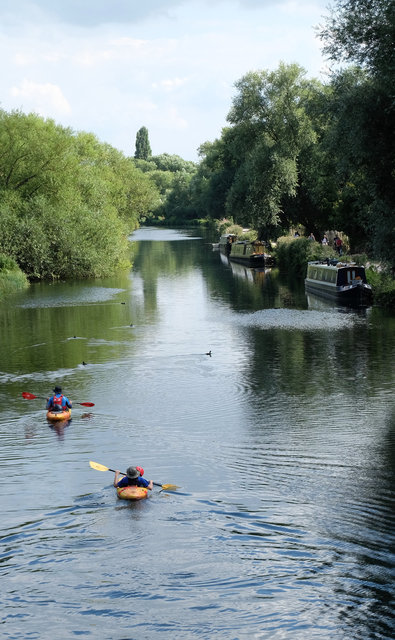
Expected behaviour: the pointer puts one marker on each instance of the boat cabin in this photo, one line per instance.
(342, 281)
(338, 273)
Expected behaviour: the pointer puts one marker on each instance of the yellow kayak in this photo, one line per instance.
(59, 415)
(132, 492)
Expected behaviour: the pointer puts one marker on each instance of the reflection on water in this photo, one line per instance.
(282, 443)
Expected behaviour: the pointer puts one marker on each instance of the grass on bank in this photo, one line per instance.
(11, 277)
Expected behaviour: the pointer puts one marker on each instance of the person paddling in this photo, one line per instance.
(133, 477)
(58, 402)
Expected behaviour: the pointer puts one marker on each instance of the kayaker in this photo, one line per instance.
(58, 402)
(133, 477)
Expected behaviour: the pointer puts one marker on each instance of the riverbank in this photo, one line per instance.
(293, 254)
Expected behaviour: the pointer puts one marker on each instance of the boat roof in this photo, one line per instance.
(334, 263)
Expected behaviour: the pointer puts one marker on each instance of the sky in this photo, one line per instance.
(110, 67)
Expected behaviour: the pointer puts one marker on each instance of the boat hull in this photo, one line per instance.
(56, 416)
(257, 261)
(357, 295)
(339, 282)
(132, 493)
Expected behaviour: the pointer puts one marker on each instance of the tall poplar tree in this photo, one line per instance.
(143, 149)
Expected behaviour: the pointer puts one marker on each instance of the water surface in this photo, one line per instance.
(281, 440)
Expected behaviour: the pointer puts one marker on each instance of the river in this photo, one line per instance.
(273, 414)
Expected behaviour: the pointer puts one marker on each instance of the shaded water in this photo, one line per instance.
(282, 442)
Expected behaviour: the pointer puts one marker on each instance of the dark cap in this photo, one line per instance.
(132, 473)
(58, 389)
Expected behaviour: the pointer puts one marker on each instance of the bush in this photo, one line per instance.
(383, 286)
(225, 226)
(11, 277)
(7, 263)
(293, 254)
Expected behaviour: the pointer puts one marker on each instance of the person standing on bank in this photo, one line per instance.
(133, 477)
(338, 245)
(58, 402)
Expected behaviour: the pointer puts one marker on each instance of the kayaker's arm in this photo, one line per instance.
(116, 478)
(151, 485)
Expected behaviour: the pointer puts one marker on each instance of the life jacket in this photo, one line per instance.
(58, 400)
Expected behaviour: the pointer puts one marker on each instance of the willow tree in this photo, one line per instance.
(67, 201)
(271, 128)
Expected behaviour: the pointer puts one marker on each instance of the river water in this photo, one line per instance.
(281, 441)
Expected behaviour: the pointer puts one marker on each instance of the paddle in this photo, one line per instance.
(30, 396)
(101, 467)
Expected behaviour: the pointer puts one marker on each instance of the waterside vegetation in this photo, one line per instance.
(12, 277)
(293, 254)
(297, 152)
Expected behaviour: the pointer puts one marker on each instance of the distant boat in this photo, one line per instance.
(251, 254)
(225, 243)
(341, 282)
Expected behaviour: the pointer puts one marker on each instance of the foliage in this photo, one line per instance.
(293, 254)
(383, 286)
(67, 201)
(269, 108)
(228, 227)
(362, 31)
(363, 118)
(172, 163)
(298, 152)
(359, 139)
(171, 177)
(11, 277)
(143, 148)
(7, 264)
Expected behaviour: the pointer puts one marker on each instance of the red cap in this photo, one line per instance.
(141, 470)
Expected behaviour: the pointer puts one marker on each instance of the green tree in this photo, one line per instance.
(362, 31)
(269, 111)
(362, 119)
(173, 163)
(213, 178)
(143, 149)
(67, 201)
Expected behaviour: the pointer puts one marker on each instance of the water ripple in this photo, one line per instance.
(291, 319)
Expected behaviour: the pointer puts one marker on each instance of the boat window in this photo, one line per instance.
(350, 275)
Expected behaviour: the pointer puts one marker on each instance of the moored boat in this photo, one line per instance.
(251, 254)
(225, 243)
(132, 492)
(341, 282)
(55, 416)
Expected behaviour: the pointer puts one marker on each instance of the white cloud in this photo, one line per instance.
(170, 83)
(45, 99)
(173, 72)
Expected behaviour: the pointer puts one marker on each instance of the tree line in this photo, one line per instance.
(67, 201)
(296, 151)
(301, 152)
